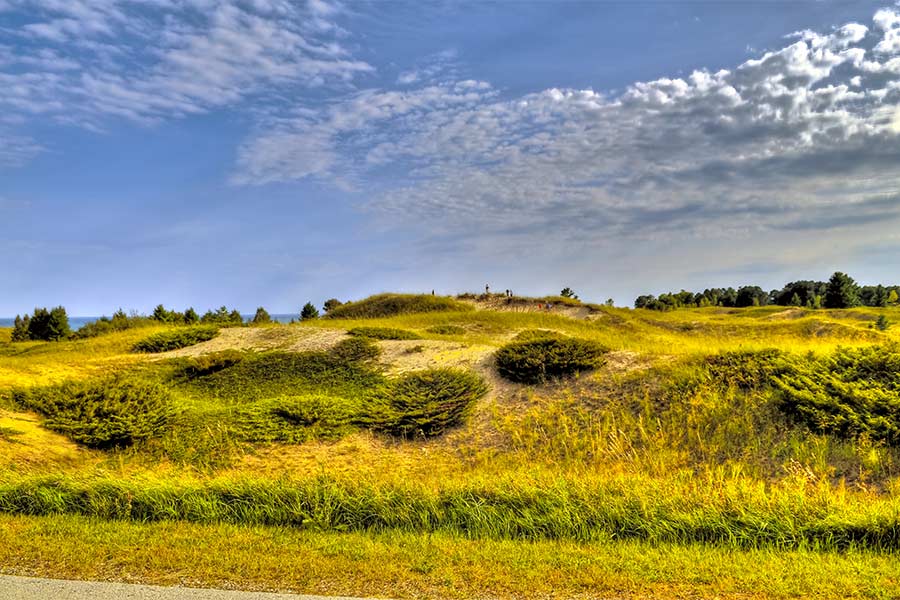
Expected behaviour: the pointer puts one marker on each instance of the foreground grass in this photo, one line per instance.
(402, 565)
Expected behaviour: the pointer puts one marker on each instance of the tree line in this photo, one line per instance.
(52, 325)
(840, 291)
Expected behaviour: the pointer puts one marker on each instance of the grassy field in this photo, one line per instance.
(398, 462)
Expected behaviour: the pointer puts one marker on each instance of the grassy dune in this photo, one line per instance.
(348, 453)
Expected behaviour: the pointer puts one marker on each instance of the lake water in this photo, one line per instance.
(76, 322)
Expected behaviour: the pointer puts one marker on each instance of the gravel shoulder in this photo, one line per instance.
(31, 588)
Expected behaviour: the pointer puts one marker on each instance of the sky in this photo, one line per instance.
(270, 152)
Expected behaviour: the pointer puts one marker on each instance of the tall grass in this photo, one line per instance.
(723, 510)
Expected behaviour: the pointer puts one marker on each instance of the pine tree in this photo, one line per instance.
(842, 292)
(191, 316)
(308, 312)
(261, 316)
(20, 329)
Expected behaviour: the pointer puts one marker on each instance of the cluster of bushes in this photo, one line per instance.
(118, 322)
(43, 325)
(537, 356)
(446, 330)
(389, 305)
(384, 333)
(850, 393)
(111, 413)
(176, 339)
(841, 291)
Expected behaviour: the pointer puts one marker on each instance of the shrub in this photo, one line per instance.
(175, 339)
(356, 349)
(106, 414)
(384, 333)
(748, 369)
(104, 325)
(446, 330)
(853, 392)
(537, 334)
(221, 316)
(296, 419)
(274, 374)
(388, 305)
(207, 364)
(425, 403)
(882, 324)
(539, 359)
(331, 304)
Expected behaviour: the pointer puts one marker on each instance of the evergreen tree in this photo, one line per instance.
(20, 329)
(567, 292)
(842, 292)
(261, 316)
(235, 317)
(882, 323)
(191, 316)
(308, 312)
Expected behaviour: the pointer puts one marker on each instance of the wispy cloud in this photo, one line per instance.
(796, 137)
(85, 62)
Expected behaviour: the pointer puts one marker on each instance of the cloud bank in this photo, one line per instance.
(805, 137)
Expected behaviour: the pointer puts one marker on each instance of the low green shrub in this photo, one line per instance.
(296, 419)
(102, 414)
(541, 358)
(446, 330)
(749, 369)
(207, 364)
(853, 392)
(537, 334)
(384, 333)
(389, 305)
(273, 374)
(424, 403)
(176, 338)
(359, 349)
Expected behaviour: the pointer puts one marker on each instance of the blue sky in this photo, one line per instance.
(270, 152)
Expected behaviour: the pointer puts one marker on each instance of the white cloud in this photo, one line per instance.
(84, 61)
(797, 138)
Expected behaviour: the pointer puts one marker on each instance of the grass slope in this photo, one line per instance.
(701, 426)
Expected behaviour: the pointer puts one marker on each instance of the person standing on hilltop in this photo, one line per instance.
(487, 290)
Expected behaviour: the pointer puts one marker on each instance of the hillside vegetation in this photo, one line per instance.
(527, 428)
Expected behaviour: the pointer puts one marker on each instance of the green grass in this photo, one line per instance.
(176, 338)
(402, 565)
(389, 305)
(724, 511)
(680, 435)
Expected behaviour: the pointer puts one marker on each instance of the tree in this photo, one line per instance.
(191, 316)
(161, 314)
(568, 292)
(235, 317)
(893, 297)
(610, 302)
(842, 292)
(49, 325)
(795, 300)
(20, 329)
(308, 312)
(331, 304)
(882, 323)
(261, 316)
(751, 295)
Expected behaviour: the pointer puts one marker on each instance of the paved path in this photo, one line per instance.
(29, 588)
